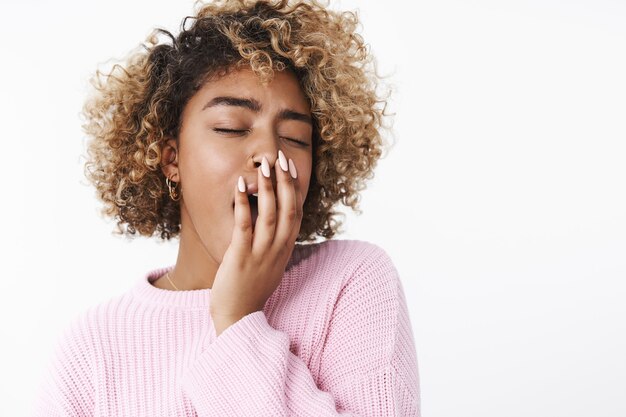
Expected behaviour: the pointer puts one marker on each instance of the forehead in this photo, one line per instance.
(284, 88)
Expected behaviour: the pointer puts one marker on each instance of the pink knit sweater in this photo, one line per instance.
(333, 339)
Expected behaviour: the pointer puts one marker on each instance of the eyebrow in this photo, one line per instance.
(255, 106)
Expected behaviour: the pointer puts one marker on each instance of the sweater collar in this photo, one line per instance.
(186, 299)
(190, 299)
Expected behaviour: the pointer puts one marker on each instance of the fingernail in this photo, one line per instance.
(241, 184)
(282, 160)
(265, 167)
(292, 169)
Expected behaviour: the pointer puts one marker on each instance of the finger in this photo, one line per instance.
(287, 210)
(299, 202)
(266, 220)
(242, 227)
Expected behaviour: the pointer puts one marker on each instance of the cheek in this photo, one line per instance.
(210, 164)
(223, 165)
(208, 179)
(304, 177)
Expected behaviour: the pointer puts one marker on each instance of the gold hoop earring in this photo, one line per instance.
(174, 194)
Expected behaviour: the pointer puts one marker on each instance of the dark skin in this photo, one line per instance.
(221, 141)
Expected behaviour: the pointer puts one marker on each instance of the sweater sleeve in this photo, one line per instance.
(66, 388)
(368, 364)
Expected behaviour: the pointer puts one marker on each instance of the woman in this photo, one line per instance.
(238, 136)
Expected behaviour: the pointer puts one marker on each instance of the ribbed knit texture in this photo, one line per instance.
(333, 339)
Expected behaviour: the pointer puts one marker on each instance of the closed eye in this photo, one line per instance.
(299, 142)
(220, 130)
(234, 131)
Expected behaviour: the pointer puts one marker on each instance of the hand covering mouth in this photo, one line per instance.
(253, 200)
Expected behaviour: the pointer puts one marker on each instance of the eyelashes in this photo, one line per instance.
(228, 130)
(242, 131)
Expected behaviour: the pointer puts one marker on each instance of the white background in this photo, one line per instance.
(502, 202)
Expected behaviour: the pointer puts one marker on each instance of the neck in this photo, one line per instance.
(195, 267)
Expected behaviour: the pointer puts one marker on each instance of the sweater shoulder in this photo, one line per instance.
(76, 348)
(343, 252)
(353, 246)
(88, 325)
(328, 268)
(353, 291)
(349, 257)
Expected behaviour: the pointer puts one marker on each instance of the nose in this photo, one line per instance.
(265, 145)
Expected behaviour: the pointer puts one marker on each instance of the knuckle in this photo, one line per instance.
(291, 214)
(245, 225)
(270, 218)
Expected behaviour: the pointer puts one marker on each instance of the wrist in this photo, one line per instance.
(221, 323)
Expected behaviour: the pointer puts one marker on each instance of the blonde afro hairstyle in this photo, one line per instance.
(138, 104)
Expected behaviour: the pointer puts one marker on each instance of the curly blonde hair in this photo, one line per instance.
(139, 103)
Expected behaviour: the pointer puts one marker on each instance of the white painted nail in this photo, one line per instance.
(241, 184)
(282, 160)
(265, 167)
(292, 169)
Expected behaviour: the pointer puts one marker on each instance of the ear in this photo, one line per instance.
(169, 160)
